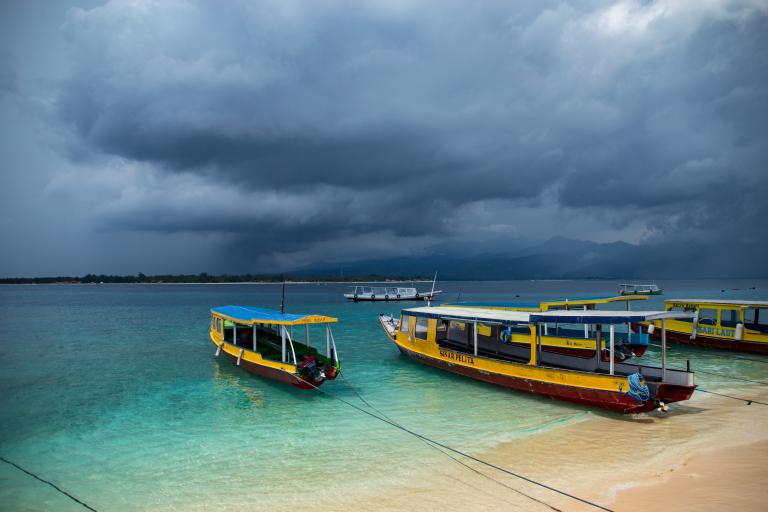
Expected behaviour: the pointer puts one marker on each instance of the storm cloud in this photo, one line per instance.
(294, 133)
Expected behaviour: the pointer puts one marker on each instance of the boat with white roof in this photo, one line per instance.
(740, 325)
(454, 339)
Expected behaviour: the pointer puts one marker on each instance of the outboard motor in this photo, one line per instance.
(310, 370)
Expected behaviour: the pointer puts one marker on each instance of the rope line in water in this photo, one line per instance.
(453, 458)
(459, 452)
(749, 402)
(62, 491)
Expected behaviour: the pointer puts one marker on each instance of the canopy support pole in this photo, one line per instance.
(234, 333)
(663, 350)
(533, 361)
(328, 341)
(586, 326)
(307, 340)
(474, 333)
(612, 345)
(254, 337)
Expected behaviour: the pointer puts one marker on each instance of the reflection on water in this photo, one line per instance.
(114, 392)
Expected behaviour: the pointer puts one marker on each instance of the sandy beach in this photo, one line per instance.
(708, 454)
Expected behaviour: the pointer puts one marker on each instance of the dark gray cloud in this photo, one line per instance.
(340, 129)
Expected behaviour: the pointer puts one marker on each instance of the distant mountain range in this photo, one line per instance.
(564, 258)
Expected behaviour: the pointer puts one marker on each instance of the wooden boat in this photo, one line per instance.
(740, 325)
(640, 289)
(435, 336)
(388, 293)
(575, 340)
(262, 342)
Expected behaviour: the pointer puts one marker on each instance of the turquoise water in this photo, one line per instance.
(113, 392)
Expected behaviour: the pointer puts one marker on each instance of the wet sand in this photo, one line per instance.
(726, 479)
(706, 454)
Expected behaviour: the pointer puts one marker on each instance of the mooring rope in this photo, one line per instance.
(749, 402)
(458, 452)
(62, 491)
(453, 458)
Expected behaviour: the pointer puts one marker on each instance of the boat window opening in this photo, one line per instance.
(679, 309)
(458, 333)
(441, 333)
(756, 319)
(244, 337)
(484, 330)
(421, 328)
(730, 317)
(707, 316)
(404, 323)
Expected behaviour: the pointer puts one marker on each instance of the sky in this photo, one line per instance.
(265, 136)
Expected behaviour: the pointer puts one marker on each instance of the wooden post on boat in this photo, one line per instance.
(254, 337)
(611, 354)
(663, 350)
(474, 332)
(533, 361)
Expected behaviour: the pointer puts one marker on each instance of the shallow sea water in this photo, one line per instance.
(113, 392)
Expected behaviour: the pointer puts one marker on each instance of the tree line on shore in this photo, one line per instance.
(200, 278)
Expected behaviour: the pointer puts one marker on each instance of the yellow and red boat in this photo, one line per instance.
(578, 341)
(740, 325)
(262, 342)
(466, 341)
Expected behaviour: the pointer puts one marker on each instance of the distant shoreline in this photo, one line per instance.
(48, 281)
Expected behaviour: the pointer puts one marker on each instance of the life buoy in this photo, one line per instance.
(386, 297)
(417, 295)
(398, 295)
(506, 335)
(373, 297)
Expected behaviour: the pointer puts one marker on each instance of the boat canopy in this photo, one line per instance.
(252, 315)
(605, 317)
(724, 302)
(527, 317)
(582, 301)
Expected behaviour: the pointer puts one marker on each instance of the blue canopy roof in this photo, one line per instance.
(253, 315)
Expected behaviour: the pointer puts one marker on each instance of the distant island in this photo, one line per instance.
(204, 278)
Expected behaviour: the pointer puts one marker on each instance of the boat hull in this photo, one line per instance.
(362, 298)
(711, 341)
(267, 372)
